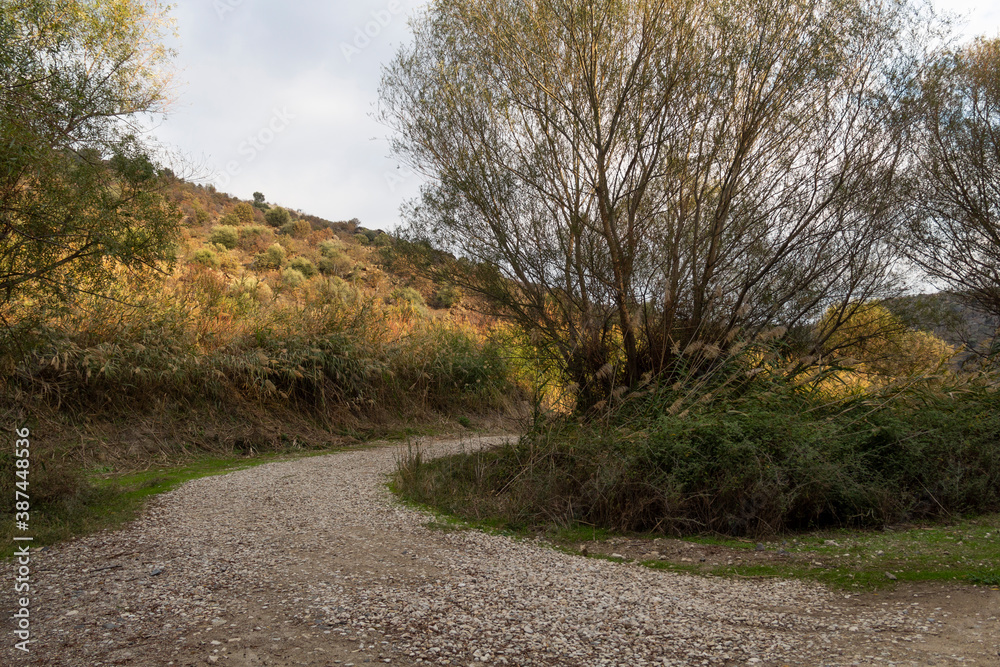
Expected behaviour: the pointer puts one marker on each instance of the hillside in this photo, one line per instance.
(235, 237)
(950, 318)
(271, 328)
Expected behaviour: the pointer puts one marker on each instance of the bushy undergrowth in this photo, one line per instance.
(330, 350)
(762, 460)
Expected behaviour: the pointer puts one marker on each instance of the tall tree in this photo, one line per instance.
(957, 206)
(626, 177)
(78, 200)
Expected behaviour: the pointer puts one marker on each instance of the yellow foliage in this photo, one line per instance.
(883, 345)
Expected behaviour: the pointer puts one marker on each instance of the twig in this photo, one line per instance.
(108, 567)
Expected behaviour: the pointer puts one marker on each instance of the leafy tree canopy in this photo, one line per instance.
(78, 184)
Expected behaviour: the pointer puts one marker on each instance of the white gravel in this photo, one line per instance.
(313, 562)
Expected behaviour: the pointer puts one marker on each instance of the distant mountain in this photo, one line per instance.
(949, 317)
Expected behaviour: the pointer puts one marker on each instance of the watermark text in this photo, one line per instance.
(254, 144)
(22, 557)
(363, 35)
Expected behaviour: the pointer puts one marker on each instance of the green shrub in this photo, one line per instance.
(297, 229)
(292, 277)
(244, 213)
(264, 293)
(410, 299)
(272, 258)
(200, 214)
(303, 266)
(206, 257)
(252, 237)
(756, 464)
(331, 248)
(337, 264)
(362, 239)
(277, 216)
(229, 220)
(337, 290)
(225, 235)
(447, 297)
(407, 295)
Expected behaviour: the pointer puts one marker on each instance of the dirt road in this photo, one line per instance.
(312, 562)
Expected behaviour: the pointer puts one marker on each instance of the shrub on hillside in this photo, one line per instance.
(252, 237)
(336, 290)
(225, 235)
(200, 215)
(337, 264)
(206, 257)
(297, 229)
(331, 247)
(446, 297)
(292, 277)
(277, 216)
(303, 266)
(244, 213)
(272, 258)
(410, 298)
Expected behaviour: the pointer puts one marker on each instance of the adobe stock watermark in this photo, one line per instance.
(363, 35)
(398, 176)
(22, 554)
(224, 7)
(253, 145)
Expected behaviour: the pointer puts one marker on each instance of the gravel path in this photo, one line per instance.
(311, 562)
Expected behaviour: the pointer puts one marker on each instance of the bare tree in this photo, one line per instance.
(957, 206)
(626, 177)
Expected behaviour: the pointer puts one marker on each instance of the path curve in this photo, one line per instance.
(312, 562)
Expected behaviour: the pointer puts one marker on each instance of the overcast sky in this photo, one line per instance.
(278, 97)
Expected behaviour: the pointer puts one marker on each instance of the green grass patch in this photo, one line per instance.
(960, 551)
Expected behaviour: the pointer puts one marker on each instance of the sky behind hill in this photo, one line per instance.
(278, 98)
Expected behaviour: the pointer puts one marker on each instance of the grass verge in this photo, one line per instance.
(956, 551)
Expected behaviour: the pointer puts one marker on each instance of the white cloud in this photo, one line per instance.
(240, 63)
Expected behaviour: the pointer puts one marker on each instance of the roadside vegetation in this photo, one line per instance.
(255, 342)
(748, 454)
(705, 232)
(679, 235)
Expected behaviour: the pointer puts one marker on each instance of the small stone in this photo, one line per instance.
(890, 575)
(156, 572)
(760, 546)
